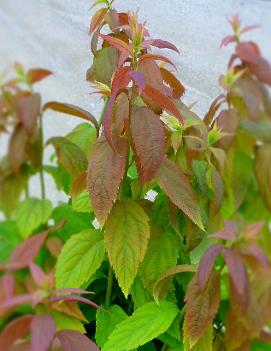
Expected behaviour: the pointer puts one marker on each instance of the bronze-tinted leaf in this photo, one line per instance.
(118, 44)
(79, 184)
(105, 172)
(206, 264)
(262, 169)
(149, 142)
(248, 51)
(27, 251)
(237, 269)
(15, 330)
(17, 146)
(74, 341)
(159, 43)
(97, 19)
(69, 155)
(155, 57)
(164, 101)
(28, 109)
(227, 121)
(178, 188)
(35, 75)
(176, 86)
(201, 306)
(71, 110)
(43, 330)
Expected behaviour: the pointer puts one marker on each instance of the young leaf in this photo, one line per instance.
(159, 43)
(73, 341)
(201, 307)
(155, 57)
(106, 323)
(97, 19)
(31, 213)
(35, 75)
(17, 148)
(43, 330)
(80, 257)
(147, 322)
(15, 330)
(176, 185)
(28, 109)
(118, 44)
(149, 142)
(206, 264)
(27, 251)
(161, 286)
(164, 101)
(126, 237)
(237, 269)
(71, 110)
(70, 156)
(105, 172)
(177, 87)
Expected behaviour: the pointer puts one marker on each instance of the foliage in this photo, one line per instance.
(167, 214)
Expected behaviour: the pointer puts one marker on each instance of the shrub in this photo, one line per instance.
(167, 219)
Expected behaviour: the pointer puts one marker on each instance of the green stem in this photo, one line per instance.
(110, 280)
(100, 120)
(27, 191)
(42, 182)
(164, 348)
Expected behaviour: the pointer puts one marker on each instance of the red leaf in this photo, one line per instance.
(71, 110)
(148, 141)
(97, 19)
(77, 299)
(74, 341)
(209, 117)
(248, 52)
(35, 75)
(251, 231)
(249, 28)
(178, 188)
(262, 70)
(254, 254)
(230, 232)
(237, 269)
(201, 307)
(105, 172)
(38, 275)
(139, 80)
(206, 264)
(28, 109)
(15, 330)
(155, 57)
(27, 251)
(17, 300)
(43, 330)
(17, 147)
(161, 44)
(79, 184)
(164, 101)
(177, 87)
(227, 40)
(117, 43)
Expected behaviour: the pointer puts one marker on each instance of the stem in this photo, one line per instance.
(27, 191)
(100, 120)
(109, 286)
(164, 347)
(42, 182)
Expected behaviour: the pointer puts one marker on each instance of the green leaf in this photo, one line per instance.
(84, 136)
(69, 155)
(106, 323)
(31, 213)
(75, 221)
(81, 203)
(126, 237)
(178, 188)
(9, 239)
(146, 323)
(162, 253)
(61, 177)
(104, 65)
(63, 321)
(139, 294)
(79, 259)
